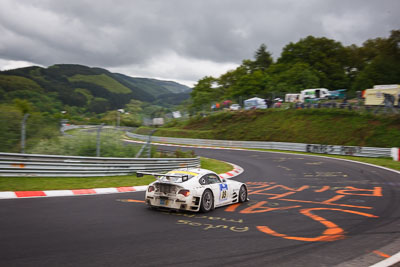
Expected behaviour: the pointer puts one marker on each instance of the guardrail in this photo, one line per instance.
(313, 148)
(16, 165)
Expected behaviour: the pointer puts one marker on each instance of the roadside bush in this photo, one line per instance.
(84, 144)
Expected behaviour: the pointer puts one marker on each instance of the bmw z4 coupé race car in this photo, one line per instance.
(193, 189)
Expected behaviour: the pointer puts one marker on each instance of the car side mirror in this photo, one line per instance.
(223, 180)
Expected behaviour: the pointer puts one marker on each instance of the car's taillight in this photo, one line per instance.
(184, 192)
(150, 189)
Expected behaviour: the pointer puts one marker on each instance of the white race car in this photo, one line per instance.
(193, 189)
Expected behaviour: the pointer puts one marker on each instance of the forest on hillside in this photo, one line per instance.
(312, 62)
(80, 89)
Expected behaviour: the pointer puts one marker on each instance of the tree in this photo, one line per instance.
(382, 62)
(263, 58)
(249, 85)
(99, 105)
(326, 56)
(23, 105)
(292, 78)
(205, 92)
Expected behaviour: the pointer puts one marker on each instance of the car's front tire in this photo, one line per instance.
(207, 201)
(243, 194)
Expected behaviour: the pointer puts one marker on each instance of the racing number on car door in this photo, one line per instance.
(223, 188)
(220, 190)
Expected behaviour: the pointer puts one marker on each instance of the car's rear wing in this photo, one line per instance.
(158, 175)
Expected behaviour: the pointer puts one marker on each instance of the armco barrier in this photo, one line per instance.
(314, 148)
(396, 153)
(15, 164)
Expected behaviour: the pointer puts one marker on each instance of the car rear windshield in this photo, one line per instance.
(181, 176)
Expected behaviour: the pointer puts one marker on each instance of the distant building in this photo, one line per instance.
(158, 121)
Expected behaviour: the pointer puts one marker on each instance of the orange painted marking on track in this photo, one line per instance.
(276, 195)
(323, 189)
(379, 253)
(350, 190)
(282, 195)
(332, 204)
(332, 233)
(232, 207)
(333, 199)
(133, 200)
(259, 208)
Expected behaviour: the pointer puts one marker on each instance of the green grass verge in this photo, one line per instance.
(58, 183)
(310, 126)
(215, 165)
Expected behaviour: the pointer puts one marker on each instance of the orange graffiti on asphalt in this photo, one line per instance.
(330, 197)
(332, 233)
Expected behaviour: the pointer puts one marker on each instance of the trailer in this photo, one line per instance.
(255, 103)
(377, 95)
(292, 97)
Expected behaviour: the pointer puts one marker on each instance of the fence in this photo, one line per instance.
(314, 148)
(18, 165)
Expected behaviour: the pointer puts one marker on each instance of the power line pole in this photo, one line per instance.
(98, 140)
(23, 132)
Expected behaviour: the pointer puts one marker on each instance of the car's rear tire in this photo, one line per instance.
(243, 194)
(207, 201)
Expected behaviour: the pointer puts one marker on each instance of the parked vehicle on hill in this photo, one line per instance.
(235, 107)
(376, 95)
(292, 98)
(338, 94)
(317, 93)
(193, 189)
(255, 103)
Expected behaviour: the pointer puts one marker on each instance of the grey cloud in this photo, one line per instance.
(109, 33)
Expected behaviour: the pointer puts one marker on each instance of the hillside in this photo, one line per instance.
(94, 89)
(333, 127)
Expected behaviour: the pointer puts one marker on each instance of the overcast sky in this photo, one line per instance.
(180, 40)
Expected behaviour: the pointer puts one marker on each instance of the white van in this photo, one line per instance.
(317, 93)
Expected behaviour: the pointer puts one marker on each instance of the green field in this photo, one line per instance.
(102, 80)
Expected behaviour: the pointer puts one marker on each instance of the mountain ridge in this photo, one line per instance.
(93, 88)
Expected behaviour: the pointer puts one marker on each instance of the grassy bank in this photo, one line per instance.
(318, 126)
(58, 183)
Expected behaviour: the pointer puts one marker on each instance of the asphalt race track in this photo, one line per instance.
(303, 211)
